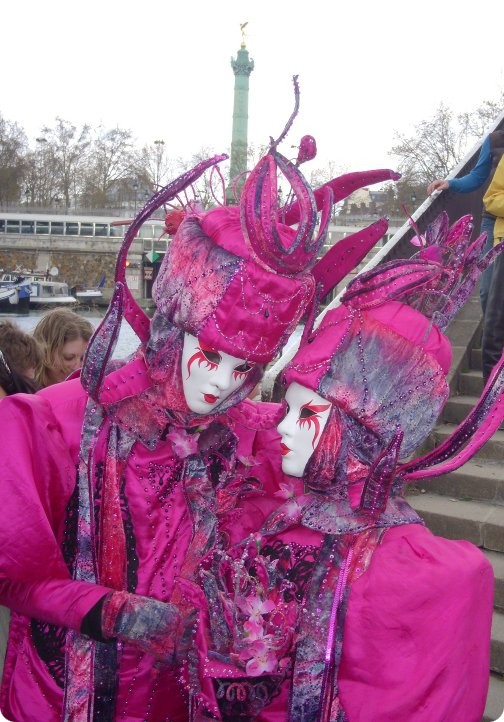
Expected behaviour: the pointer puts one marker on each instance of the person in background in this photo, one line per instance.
(491, 152)
(63, 336)
(492, 342)
(20, 356)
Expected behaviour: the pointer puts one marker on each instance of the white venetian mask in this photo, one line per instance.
(209, 376)
(302, 427)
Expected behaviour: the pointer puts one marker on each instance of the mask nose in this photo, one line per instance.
(222, 378)
(286, 427)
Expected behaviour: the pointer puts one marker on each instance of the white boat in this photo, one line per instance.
(89, 295)
(49, 293)
(8, 294)
(92, 294)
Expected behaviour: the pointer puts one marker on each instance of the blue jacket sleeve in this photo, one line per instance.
(478, 175)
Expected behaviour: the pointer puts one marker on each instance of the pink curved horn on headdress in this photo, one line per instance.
(123, 305)
(342, 187)
(138, 319)
(345, 255)
(460, 231)
(482, 422)
(379, 482)
(259, 216)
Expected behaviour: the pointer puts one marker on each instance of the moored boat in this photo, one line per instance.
(14, 292)
(50, 293)
(90, 294)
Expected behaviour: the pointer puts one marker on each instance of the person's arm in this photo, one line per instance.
(37, 479)
(473, 180)
(36, 482)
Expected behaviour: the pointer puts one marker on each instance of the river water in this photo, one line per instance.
(126, 343)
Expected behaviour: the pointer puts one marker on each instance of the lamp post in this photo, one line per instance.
(41, 170)
(135, 188)
(159, 157)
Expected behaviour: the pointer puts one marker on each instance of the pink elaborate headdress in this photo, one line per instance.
(239, 278)
(381, 358)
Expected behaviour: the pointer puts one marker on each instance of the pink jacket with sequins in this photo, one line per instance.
(41, 436)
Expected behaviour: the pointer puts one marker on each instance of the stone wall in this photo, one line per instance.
(77, 269)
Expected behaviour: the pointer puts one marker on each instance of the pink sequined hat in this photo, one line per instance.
(211, 286)
(382, 356)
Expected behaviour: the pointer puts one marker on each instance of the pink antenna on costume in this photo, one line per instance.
(216, 169)
(288, 125)
(260, 212)
(234, 186)
(345, 255)
(342, 187)
(123, 304)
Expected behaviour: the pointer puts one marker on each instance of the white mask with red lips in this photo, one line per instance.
(301, 427)
(209, 376)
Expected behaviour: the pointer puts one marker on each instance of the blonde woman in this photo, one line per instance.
(63, 336)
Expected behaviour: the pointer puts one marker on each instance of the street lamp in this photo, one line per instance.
(135, 188)
(159, 155)
(41, 157)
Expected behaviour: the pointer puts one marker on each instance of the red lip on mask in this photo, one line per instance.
(210, 398)
(284, 449)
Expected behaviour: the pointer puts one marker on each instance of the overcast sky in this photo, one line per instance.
(162, 69)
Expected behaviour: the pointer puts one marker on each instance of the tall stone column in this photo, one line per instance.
(242, 67)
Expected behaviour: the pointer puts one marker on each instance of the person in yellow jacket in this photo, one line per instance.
(492, 343)
(494, 200)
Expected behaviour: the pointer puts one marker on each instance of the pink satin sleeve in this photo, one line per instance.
(34, 579)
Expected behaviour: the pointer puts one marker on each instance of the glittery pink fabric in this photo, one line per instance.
(418, 623)
(210, 286)
(39, 523)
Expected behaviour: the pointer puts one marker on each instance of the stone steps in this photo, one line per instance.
(495, 701)
(478, 480)
(478, 522)
(497, 648)
(471, 383)
(458, 407)
(496, 559)
(493, 450)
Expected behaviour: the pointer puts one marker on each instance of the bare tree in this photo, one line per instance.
(155, 168)
(441, 142)
(66, 148)
(111, 168)
(43, 176)
(13, 144)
